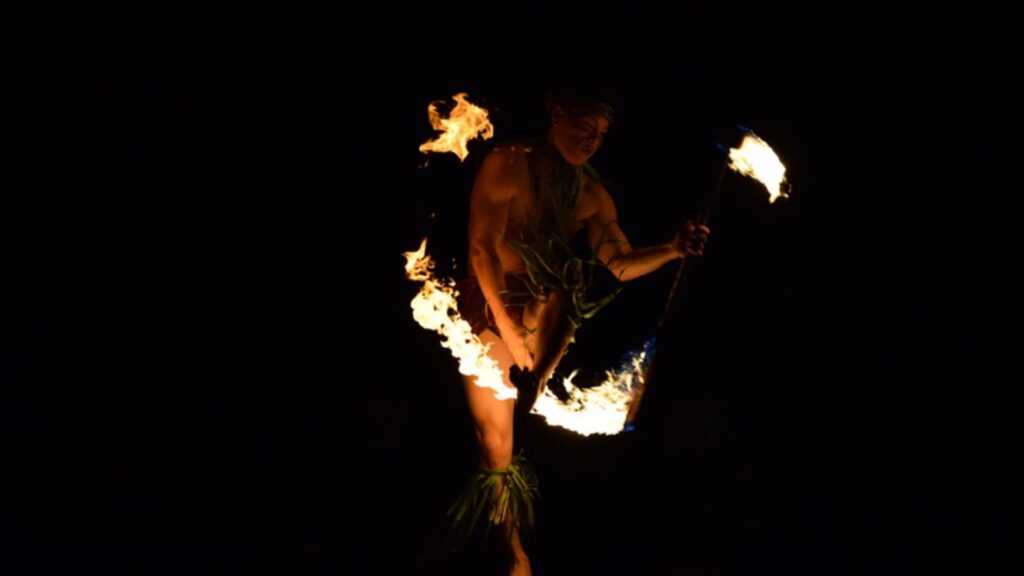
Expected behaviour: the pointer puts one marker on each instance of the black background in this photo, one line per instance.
(210, 366)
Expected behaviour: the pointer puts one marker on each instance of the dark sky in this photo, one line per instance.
(210, 366)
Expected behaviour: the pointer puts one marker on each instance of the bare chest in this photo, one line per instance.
(523, 208)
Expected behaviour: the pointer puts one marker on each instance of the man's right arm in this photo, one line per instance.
(488, 218)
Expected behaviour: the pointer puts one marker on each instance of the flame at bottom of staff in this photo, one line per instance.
(435, 308)
(601, 409)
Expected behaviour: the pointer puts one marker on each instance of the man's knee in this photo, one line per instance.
(497, 447)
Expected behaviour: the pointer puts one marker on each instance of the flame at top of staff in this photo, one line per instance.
(756, 159)
(463, 123)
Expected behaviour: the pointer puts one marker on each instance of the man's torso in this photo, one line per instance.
(523, 204)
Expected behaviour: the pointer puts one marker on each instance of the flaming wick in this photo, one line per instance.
(600, 409)
(756, 159)
(465, 122)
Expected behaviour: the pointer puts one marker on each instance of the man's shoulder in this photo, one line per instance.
(592, 183)
(595, 197)
(506, 162)
(511, 153)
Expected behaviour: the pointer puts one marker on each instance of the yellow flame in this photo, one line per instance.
(464, 123)
(598, 410)
(756, 159)
(434, 308)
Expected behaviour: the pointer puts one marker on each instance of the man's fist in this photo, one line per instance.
(691, 240)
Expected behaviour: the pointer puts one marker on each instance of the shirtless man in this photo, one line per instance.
(506, 206)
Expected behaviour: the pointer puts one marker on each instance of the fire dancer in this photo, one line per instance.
(527, 292)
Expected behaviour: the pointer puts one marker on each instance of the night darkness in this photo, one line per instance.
(210, 366)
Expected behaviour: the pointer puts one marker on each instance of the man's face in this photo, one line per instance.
(578, 137)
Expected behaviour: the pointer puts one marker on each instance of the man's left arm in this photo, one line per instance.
(623, 260)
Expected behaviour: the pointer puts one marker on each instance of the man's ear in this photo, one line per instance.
(557, 115)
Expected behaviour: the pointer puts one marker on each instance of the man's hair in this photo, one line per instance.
(577, 105)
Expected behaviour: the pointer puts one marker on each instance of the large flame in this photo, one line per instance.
(464, 123)
(435, 309)
(601, 409)
(756, 159)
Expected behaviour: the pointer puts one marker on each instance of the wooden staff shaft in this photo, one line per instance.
(677, 286)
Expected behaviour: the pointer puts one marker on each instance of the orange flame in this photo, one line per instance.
(464, 123)
(756, 159)
(598, 410)
(434, 308)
